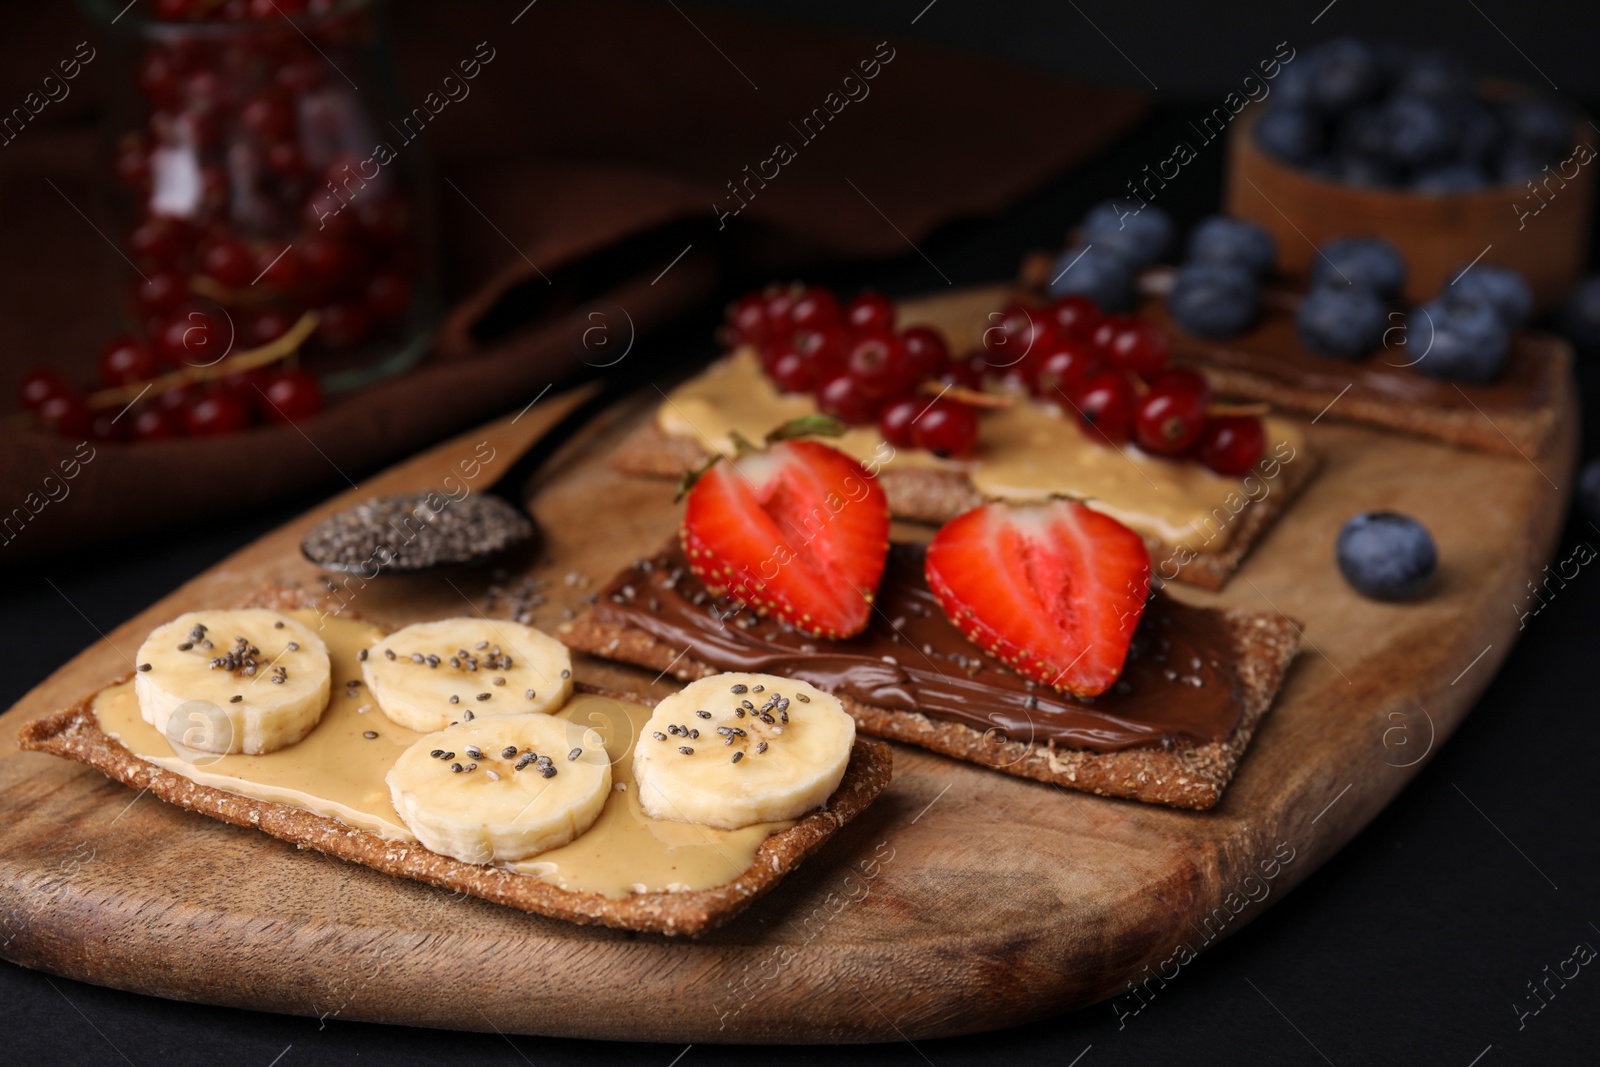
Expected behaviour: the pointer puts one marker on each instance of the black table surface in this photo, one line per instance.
(1436, 936)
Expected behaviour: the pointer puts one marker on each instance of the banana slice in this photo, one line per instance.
(502, 788)
(737, 749)
(432, 674)
(243, 680)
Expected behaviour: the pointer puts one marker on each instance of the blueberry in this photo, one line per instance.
(1580, 316)
(1450, 178)
(1214, 299)
(1348, 72)
(1369, 261)
(1140, 235)
(1294, 135)
(1097, 273)
(1293, 86)
(1386, 555)
(1366, 171)
(1363, 132)
(1439, 73)
(1543, 128)
(1462, 340)
(1589, 490)
(1417, 128)
(1344, 321)
(1518, 163)
(1500, 287)
(1479, 134)
(1219, 239)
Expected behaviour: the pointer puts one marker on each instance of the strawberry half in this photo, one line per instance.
(1053, 590)
(798, 530)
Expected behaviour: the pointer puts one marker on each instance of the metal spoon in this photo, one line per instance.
(409, 533)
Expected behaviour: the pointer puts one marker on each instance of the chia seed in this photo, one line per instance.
(402, 533)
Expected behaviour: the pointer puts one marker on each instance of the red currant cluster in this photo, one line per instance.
(226, 404)
(1112, 370)
(855, 363)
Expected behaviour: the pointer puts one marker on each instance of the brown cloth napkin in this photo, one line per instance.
(602, 140)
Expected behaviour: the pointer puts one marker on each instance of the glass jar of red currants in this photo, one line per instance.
(263, 203)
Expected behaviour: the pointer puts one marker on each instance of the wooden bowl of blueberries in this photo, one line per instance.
(1356, 139)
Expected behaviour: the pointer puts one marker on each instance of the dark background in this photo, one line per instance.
(1410, 946)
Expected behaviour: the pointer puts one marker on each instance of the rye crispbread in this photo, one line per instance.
(922, 494)
(75, 734)
(1185, 775)
(1540, 367)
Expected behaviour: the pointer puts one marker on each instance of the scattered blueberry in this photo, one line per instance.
(1450, 178)
(1097, 273)
(1140, 235)
(1368, 261)
(1386, 555)
(1214, 299)
(1589, 490)
(1294, 135)
(1500, 287)
(1219, 239)
(1344, 321)
(1293, 87)
(1348, 72)
(1461, 340)
(1580, 316)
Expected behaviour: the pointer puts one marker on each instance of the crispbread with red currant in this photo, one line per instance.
(1145, 441)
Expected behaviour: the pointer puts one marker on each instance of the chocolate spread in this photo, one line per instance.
(1179, 682)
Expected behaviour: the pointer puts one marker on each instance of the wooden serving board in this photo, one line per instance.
(963, 900)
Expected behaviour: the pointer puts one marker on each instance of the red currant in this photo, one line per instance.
(215, 412)
(228, 262)
(153, 424)
(292, 395)
(329, 261)
(388, 294)
(107, 426)
(194, 338)
(268, 116)
(1017, 333)
(268, 326)
(242, 385)
(791, 372)
(1135, 345)
(157, 78)
(896, 418)
(842, 398)
(826, 351)
(1231, 444)
(1168, 421)
(816, 309)
(344, 325)
(1065, 365)
(927, 350)
(162, 292)
(947, 428)
(40, 385)
(132, 165)
(178, 399)
(1074, 316)
(870, 313)
(127, 359)
(65, 414)
(779, 304)
(880, 365)
(965, 373)
(282, 268)
(1183, 380)
(747, 320)
(285, 158)
(155, 240)
(1105, 404)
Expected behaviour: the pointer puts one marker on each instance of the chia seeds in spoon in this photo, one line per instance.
(414, 531)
